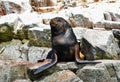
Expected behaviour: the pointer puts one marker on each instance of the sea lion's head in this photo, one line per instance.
(59, 26)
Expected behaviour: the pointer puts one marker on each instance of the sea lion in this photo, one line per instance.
(64, 45)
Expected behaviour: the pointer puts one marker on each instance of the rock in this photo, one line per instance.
(107, 16)
(73, 66)
(61, 76)
(37, 53)
(22, 80)
(99, 44)
(92, 74)
(10, 71)
(7, 27)
(18, 6)
(22, 25)
(9, 19)
(11, 51)
(21, 32)
(6, 33)
(111, 21)
(10, 7)
(79, 32)
(78, 20)
(39, 37)
(112, 66)
(116, 33)
(2, 10)
(33, 18)
(107, 71)
(111, 25)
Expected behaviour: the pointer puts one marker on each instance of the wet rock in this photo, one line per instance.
(99, 44)
(37, 53)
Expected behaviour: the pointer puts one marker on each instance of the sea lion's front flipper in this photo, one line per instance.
(80, 60)
(47, 63)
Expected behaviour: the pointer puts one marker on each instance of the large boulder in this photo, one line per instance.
(107, 71)
(99, 44)
(12, 51)
(22, 25)
(10, 71)
(93, 74)
(39, 36)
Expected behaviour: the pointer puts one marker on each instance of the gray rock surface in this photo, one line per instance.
(107, 71)
(62, 76)
(11, 51)
(116, 33)
(99, 44)
(10, 71)
(39, 37)
(37, 53)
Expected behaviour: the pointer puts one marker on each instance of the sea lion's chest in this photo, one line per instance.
(64, 48)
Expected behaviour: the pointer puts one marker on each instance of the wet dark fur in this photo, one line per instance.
(63, 39)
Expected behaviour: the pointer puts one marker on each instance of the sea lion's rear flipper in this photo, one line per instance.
(80, 60)
(47, 63)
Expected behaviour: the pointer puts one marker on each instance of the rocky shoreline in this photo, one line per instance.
(25, 39)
